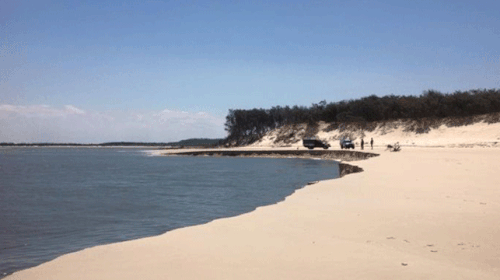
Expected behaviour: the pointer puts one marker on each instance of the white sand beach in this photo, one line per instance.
(422, 213)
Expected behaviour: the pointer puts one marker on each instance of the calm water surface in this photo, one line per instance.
(59, 200)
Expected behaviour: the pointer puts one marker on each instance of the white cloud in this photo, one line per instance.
(40, 110)
(71, 108)
(42, 123)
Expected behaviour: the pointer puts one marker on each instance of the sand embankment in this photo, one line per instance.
(422, 213)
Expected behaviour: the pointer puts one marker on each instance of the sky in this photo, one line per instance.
(160, 71)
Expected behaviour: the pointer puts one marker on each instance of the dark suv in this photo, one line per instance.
(346, 144)
(311, 143)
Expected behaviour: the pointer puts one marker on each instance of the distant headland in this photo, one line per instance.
(192, 142)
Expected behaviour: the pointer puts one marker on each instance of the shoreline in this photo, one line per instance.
(312, 179)
(419, 213)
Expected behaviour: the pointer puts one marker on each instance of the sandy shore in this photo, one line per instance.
(422, 213)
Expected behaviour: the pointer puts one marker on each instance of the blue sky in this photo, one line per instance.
(197, 59)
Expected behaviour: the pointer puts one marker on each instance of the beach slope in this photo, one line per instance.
(422, 213)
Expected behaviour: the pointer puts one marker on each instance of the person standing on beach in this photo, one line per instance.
(371, 143)
(362, 144)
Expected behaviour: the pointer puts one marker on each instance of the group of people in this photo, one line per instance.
(363, 143)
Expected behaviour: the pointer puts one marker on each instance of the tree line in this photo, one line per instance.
(252, 124)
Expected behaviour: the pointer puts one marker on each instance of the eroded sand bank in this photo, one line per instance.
(422, 213)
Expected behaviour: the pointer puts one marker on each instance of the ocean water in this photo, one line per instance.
(59, 200)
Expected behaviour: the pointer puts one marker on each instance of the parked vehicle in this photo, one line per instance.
(346, 144)
(311, 143)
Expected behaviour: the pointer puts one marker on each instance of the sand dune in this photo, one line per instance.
(422, 213)
(479, 134)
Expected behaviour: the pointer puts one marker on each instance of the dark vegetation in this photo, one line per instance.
(198, 142)
(419, 112)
